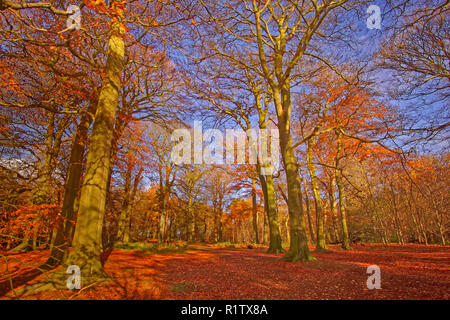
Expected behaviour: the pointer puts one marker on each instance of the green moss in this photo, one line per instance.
(182, 287)
(151, 248)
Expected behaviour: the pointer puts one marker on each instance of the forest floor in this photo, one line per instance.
(223, 272)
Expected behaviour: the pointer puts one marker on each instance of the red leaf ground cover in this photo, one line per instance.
(208, 272)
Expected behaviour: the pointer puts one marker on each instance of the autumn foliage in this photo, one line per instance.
(88, 118)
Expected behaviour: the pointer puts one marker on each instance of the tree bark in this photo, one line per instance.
(63, 237)
(255, 211)
(190, 220)
(338, 175)
(308, 209)
(87, 240)
(320, 225)
(129, 208)
(123, 218)
(298, 249)
(333, 210)
(271, 216)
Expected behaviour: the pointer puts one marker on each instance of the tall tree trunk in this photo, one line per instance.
(87, 240)
(275, 245)
(266, 227)
(122, 225)
(190, 220)
(338, 175)
(162, 217)
(63, 237)
(265, 238)
(333, 209)
(129, 208)
(308, 209)
(320, 225)
(270, 204)
(218, 224)
(255, 211)
(127, 229)
(345, 237)
(162, 205)
(274, 234)
(440, 227)
(398, 228)
(298, 249)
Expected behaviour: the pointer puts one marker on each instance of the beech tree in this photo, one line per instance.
(236, 97)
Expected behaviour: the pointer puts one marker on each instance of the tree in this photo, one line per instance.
(287, 19)
(414, 56)
(189, 185)
(132, 157)
(160, 154)
(220, 186)
(236, 96)
(87, 240)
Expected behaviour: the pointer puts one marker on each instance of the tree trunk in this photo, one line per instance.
(270, 204)
(398, 228)
(218, 224)
(298, 249)
(308, 210)
(87, 240)
(162, 205)
(333, 210)
(320, 225)
(440, 227)
(255, 211)
(129, 210)
(162, 218)
(274, 226)
(190, 222)
(265, 238)
(266, 227)
(63, 237)
(345, 238)
(123, 219)
(274, 234)
(338, 175)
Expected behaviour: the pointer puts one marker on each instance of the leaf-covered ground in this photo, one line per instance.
(209, 272)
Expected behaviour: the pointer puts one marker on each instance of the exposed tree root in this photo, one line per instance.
(57, 280)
